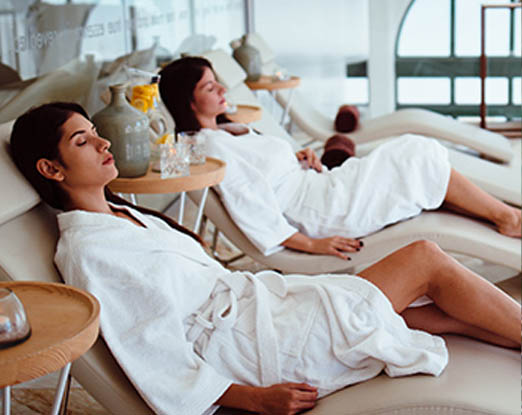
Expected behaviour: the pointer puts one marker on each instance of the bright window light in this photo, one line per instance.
(496, 90)
(425, 90)
(426, 29)
(467, 28)
(467, 90)
(517, 91)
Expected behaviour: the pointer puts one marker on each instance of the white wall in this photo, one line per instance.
(385, 18)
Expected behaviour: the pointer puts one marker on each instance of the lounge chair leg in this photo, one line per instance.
(203, 226)
(6, 400)
(65, 401)
(227, 262)
(215, 238)
(224, 262)
(289, 126)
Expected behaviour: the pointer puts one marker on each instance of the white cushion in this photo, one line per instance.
(17, 194)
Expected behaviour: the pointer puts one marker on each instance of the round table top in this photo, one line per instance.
(64, 324)
(245, 114)
(271, 84)
(201, 176)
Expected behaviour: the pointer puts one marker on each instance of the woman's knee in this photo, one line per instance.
(425, 249)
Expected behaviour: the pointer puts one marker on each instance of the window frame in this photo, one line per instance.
(454, 66)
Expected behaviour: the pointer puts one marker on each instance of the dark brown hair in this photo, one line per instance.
(177, 83)
(36, 135)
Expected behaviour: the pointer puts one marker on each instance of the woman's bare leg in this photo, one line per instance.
(463, 195)
(422, 268)
(432, 319)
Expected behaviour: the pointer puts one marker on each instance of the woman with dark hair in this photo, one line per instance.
(32, 160)
(299, 204)
(192, 335)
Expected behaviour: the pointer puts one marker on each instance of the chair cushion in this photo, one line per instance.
(17, 194)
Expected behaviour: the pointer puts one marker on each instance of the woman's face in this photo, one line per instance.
(208, 97)
(85, 159)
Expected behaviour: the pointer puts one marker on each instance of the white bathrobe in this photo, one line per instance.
(271, 196)
(183, 328)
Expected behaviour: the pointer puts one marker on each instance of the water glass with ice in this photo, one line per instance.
(196, 143)
(174, 160)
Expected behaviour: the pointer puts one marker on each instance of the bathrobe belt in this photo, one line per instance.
(219, 312)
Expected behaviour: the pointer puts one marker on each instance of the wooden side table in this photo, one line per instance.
(272, 84)
(201, 177)
(64, 324)
(245, 114)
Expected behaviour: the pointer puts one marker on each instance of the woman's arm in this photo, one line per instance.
(334, 245)
(283, 398)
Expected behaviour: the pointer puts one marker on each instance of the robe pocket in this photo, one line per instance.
(292, 317)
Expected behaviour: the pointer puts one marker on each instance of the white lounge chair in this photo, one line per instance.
(417, 121)
(504, 181)
(453, 232)
(480, 379)
(502, 178)
(70, 82)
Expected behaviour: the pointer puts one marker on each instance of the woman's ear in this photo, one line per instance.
(49, 169)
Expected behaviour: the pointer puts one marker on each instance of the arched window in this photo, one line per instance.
(438, 50)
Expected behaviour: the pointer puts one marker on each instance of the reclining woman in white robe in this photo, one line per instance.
(192, 335)
(309, 208)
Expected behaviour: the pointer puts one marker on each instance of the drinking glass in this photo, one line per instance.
(174, 160)
(14, 327)
(196, 143)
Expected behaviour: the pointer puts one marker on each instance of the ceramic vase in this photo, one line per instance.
(248, 57)
(128, 131)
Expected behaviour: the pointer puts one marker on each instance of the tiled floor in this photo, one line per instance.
(36, 397)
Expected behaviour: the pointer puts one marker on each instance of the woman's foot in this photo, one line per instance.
(511, 224)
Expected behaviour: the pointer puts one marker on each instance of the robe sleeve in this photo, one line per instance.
(251, 202)
(143, 328)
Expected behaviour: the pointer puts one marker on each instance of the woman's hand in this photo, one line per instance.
(280, 399)
(310, 158)
(287, 398)
(334, 245)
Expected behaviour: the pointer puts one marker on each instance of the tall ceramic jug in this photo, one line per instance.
(128, 131)
(248, 57)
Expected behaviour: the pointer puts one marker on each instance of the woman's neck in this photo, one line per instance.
(89, 201)
(208, 122)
